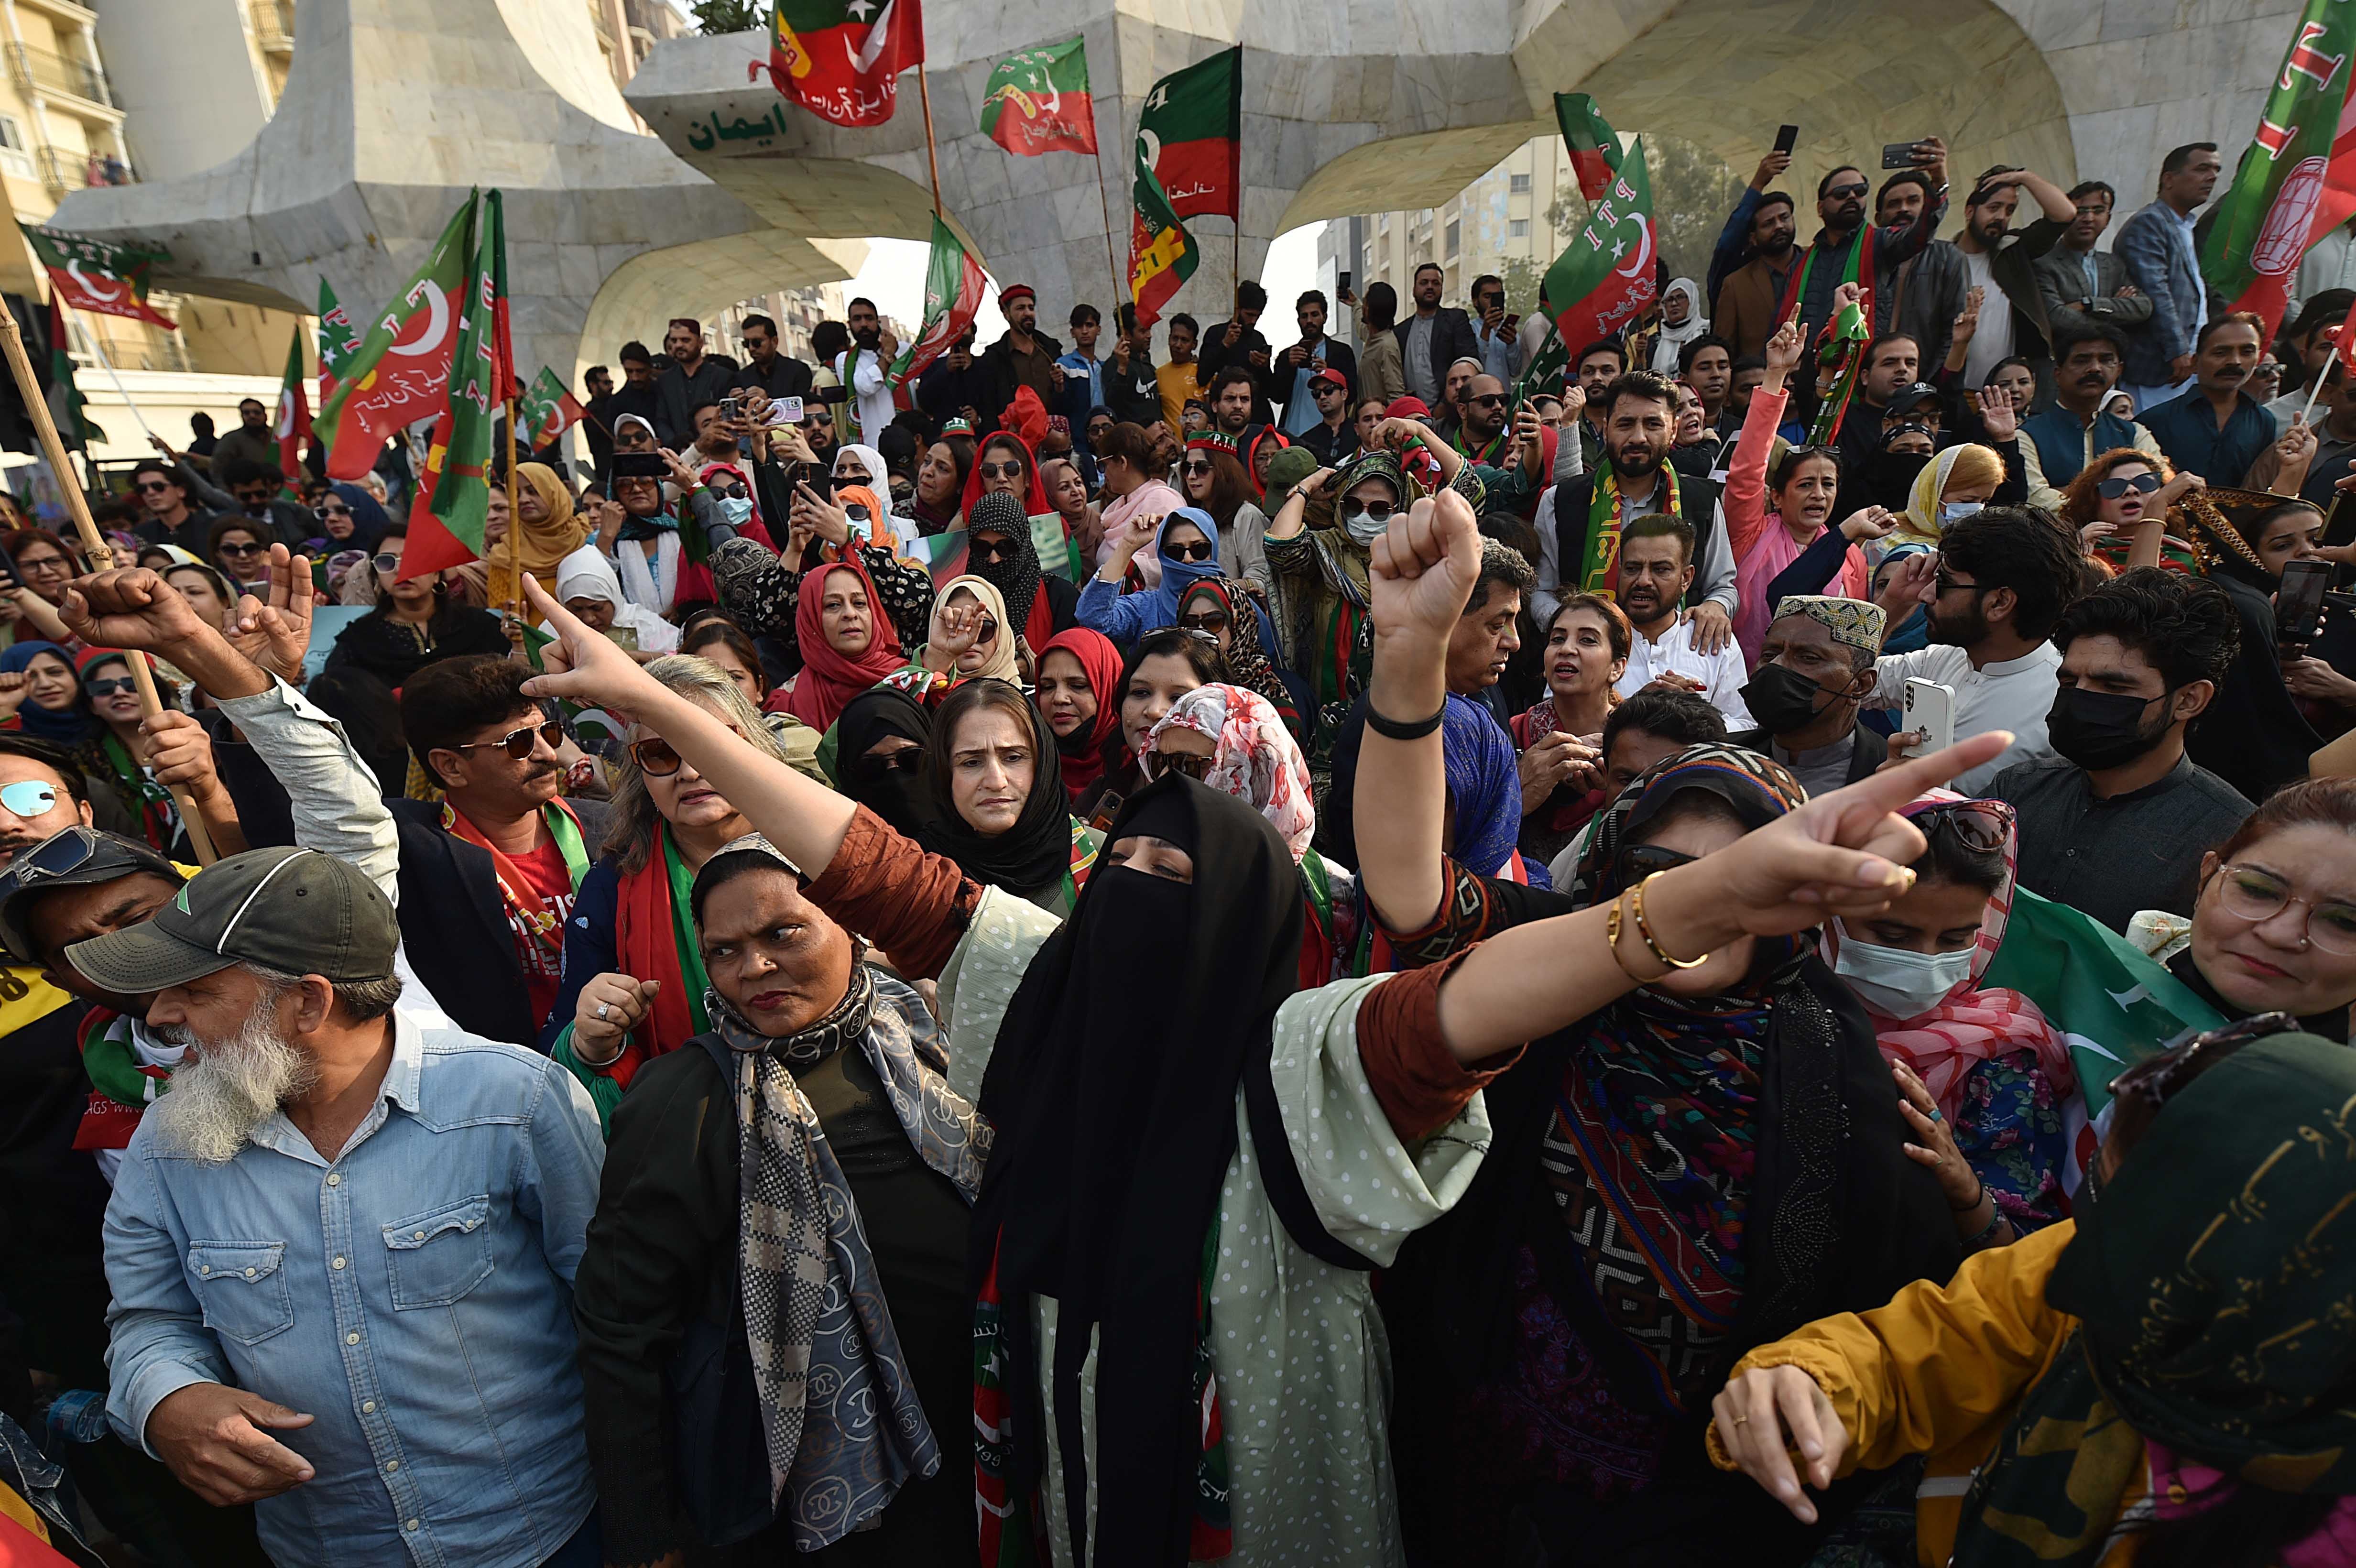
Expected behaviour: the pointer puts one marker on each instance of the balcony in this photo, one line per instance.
(62, 171)
(273, 25)
(38, 71)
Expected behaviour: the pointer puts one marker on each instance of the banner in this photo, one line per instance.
(953, 283)
(842, 59)
(1037, 102)
(1191, 134)
(93, 275)
(2296, 181)
(294, 411)
(453, 500)
(400, 373)
(1603, 281)
(1594, 146)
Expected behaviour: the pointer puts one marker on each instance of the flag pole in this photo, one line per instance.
(94, 544)
(2316, 390)
(98, 353)
(515, 520)
(1112, 260)
(932, 155)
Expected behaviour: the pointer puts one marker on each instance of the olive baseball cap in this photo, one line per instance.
(294, 911)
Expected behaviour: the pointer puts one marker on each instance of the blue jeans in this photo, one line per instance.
(585, 1550)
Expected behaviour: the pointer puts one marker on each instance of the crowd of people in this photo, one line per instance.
(1320, 951)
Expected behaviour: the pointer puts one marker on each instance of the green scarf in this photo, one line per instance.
(1600, 573)
(1842, 351)
(2215, 1279)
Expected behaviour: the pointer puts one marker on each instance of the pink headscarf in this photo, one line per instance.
(1970, 1026)
(1254, 757)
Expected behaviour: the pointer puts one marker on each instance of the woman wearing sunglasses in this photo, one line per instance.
(412, 623)
(241, 550)
(1000, 810)
(1217, 483)
(1005, 463)
(348, 517)
(2119, 507)
(999, 550)
(1984, 1077)
(121, 754)
(1187, 543)
(634, 984)
(2167, 1381)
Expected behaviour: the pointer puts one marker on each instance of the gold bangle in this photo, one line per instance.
(1611, 941)
(1645, 929)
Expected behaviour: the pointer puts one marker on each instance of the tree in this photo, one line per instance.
(729, 16)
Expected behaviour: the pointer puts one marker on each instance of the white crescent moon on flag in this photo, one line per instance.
(437, 320)
(1151, 142)
(872, 47)
(1635, 268)
(285, 415)
(73, 271)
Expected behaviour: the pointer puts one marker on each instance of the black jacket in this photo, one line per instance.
(1215, 356)
(999, 381)
(944, 394)
(1337, 354)
(1452, 338)
(455, 923)
(1697, 503)
(676, 393)
(786, 377)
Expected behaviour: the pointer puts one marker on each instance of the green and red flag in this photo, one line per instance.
(293, 411)
(1191, 134)
(1603, 282)
(94, 275)
(953, 283)
(67, 407)
(1037, 102)
(338, 340)
(399, 374)
(2296, 181)
(1162, 254)
(842, 59)
(1594, 146)
(453, 497)
(546, 411)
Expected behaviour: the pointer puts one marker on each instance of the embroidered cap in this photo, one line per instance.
(294, 911)
(1855, 622)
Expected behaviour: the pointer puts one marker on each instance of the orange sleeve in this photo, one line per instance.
(1420, 1084)
(913, 905)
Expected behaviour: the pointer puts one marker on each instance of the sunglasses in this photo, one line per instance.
(1378, 511)
(157, 488)
(1199, 465)
(333, 509)
(1001, 471)
(730, 492)
(1982, 826)
(1486, 400)
(906, 760)
(1201, 550)
(227, 548)
(30, 798)
(1211, 621)
(517, 743)
(1843, 192)
(1188, 763)
(386, 564)
(992, 549)
(819, 417)
(2111, 489)
(1638, 861)
(108, 686)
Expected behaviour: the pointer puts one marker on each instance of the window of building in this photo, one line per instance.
(1517, 184)
(1455, 230)
(1517, 227)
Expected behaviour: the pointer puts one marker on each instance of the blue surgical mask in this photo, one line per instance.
(736, 509)
(1956, 511)
(1896, 981)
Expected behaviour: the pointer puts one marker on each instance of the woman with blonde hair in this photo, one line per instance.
(1953, 486)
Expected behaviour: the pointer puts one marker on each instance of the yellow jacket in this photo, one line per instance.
(1939, 1371)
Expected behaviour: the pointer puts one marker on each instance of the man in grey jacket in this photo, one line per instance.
(1988, 256)
(2079, 283)
(2157, 246)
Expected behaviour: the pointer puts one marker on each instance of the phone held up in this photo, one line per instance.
(2299, 606)
(1786, 138)
(1930, 710)
(1900, 155)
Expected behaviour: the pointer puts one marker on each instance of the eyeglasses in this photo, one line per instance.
(729, 491)
(1638, 861)
(1192, 765)
(108, 686)
(656, 758)
(1982, 826)
(1211, 621)
(1198, 465)
(30, 798)
(990, 549)
(2111, 489)
(2254, 894)
(387, 563)
(1843, 192)
(333, 509)
(1201, 550)
(1001, 470)
(45, 566)
(1943, 584)
(1378, 511)
(517, 743)
(225, 548)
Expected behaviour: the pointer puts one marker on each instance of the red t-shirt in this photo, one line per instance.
(543, 964)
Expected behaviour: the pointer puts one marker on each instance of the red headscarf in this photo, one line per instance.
(829, 679)
(1034, 496)
(1100, 662)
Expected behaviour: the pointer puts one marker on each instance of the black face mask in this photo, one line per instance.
(1782, 699)
(2102, 729)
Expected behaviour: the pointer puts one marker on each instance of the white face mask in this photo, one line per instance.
(1956, 511)
(1896, 981)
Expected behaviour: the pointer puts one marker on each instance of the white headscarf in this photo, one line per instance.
(587, 573)
(1673, 339)
(879, 478)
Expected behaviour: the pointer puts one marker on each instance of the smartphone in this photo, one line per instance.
(623, 637)
(2298, 605)
(732, 407)
(1929, 707)
(1513, 323)
(1786, 136)
(834, 394)
(9, 581)
(786, 411)
(816, 477)
(640, 465)
(1899, 154)
(862, 522)
(1342, 285)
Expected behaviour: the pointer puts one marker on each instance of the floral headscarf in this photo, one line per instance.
(1254, 757)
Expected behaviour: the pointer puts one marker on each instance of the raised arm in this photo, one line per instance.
(1745, 497)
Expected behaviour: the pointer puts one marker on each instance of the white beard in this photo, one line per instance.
(229, 1088)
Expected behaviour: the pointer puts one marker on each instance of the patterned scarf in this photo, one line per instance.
(522, 898)
(1856, 267)
(826, 1359)
(1599, 571)
(1840, 349)
(1248, 661)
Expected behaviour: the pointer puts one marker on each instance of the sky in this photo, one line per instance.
(894, 278)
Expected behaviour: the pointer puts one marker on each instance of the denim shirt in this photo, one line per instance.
(414, 1296)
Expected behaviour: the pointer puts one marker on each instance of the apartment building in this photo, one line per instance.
(1497, 224)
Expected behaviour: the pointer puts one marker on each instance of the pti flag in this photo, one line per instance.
(1603, 280)
(1037, 102)
(2297, 179)
(293, 411)
(953, 283)
(842, 59)
(69, 410)
(1594, 146)
(1162, 254)
(91, 275)
(454, 497)
(399, 374)
(1191, 134)
(546, 411)
(337, 341)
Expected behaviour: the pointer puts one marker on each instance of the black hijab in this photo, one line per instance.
(1036, 851)
(1016, 573)
(902, 796)
(1113, 1090)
